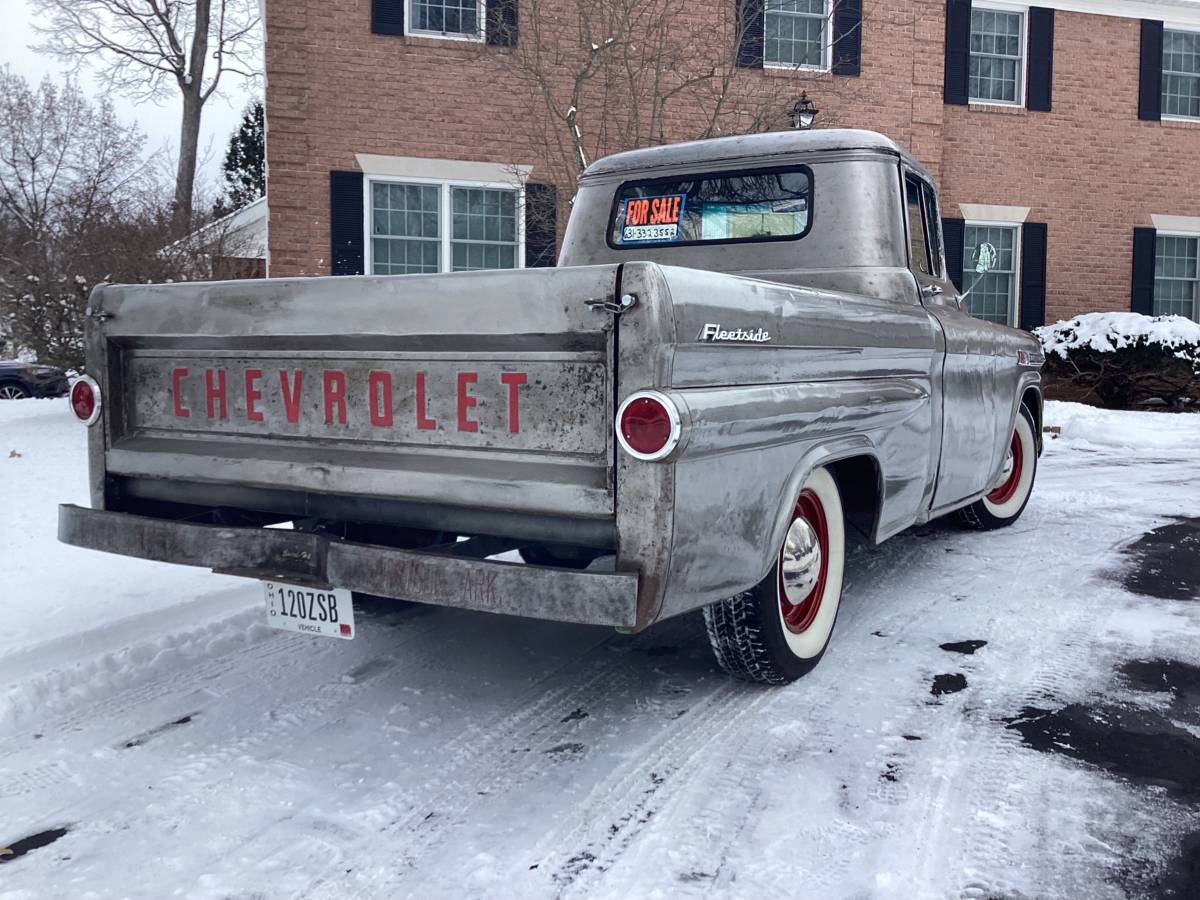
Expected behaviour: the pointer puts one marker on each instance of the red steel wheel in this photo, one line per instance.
(1011, 473)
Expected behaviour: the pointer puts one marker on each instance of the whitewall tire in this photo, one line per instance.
(779, 629)
(1005, 502)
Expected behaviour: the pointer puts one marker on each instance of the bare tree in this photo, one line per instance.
(611, 75)
(152, 48)
(78, 206)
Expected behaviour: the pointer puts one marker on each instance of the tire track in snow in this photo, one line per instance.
(967, 804)
(632, 797)
(480, 768)
(711, 793)
(725, 791)
(218, 680)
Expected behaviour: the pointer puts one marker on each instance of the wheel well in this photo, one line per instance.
(861, 488)
(1032, 401)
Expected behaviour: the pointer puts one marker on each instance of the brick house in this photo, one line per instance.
(1066, 134)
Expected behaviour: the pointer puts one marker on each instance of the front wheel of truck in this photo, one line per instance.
(1006, 501)
(779, 629)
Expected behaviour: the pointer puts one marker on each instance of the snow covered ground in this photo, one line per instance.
(190, 751)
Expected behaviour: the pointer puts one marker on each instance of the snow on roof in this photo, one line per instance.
(250, 218)
(1107, 332)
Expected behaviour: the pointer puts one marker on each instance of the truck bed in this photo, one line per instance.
(378, 399)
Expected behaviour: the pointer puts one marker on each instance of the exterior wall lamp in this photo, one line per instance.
(803, 112)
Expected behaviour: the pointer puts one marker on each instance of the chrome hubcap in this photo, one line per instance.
(1007, 470)
(10, 393)
(801, 560)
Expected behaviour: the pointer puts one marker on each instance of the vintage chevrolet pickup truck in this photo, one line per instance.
(749, 350)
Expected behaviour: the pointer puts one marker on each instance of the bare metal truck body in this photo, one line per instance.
(388, 418)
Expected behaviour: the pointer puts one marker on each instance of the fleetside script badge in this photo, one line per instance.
(714, 332)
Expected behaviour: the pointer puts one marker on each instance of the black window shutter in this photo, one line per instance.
(541, 226)
(1041, 59)
(958, 52)
(502, 23)
(954, 234)
(750, 27)
(346, 223)
(1150, 81)
(1033, 275)
(387, 16)
(1145, 244)
(847, 37)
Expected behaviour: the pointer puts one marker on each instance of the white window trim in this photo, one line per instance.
(826, 46)
(1022, 85)
(478, 38)
(989, 212)
(1175, 232)
(1014, 314)
(445, 236)
(1194, 30)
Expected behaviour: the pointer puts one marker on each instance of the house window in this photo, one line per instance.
(484, 229)
(795, 33)
(426, 227)
(1177, 276)
(446, 18)
(992, 297)
(997, 56)
(1181, 74)
(404, 228)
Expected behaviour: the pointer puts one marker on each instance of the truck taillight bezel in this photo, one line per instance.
(675, 422)
(90, 383)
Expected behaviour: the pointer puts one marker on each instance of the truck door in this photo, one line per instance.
(969, 408)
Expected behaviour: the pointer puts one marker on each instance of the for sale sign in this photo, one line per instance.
(652, 218)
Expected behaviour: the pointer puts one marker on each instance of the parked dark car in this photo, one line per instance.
(19, 380)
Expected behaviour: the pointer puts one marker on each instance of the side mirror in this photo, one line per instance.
(984, 258)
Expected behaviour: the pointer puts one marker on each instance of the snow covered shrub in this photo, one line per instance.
(1125, 359)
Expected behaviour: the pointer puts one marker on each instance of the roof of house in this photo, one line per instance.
(246, 226)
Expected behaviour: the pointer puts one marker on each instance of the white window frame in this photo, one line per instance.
(1191, 235)
(826, 44)
(480, 18)
(1167, 26)
(445, 212)
(1014, 313)
(1022, 69)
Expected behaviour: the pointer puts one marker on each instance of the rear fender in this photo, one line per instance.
(817, 457)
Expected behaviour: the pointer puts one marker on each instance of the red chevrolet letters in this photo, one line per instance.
(334, 389)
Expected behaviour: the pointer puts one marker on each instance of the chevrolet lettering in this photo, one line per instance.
(750, 353)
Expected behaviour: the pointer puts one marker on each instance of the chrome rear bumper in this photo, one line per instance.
(565, 595)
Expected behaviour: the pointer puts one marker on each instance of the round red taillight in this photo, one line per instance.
(648, 425)
(85, 400)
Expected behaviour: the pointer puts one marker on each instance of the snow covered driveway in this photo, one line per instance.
(999, 716)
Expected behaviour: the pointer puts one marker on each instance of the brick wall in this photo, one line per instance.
(1089, 168)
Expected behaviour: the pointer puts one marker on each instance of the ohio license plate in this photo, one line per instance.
(310, 611)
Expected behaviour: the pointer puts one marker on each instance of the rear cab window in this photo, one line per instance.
(713, 207)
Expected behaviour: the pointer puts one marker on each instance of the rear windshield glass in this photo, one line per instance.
(767, 205)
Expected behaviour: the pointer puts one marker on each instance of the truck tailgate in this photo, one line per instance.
(482, 390)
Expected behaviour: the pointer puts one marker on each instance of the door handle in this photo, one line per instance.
(932, 290)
